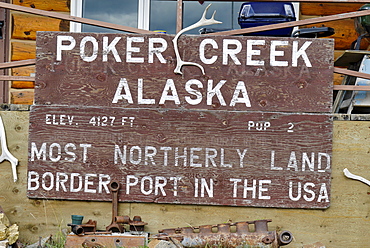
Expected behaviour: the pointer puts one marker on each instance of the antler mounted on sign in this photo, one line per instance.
(202, 22)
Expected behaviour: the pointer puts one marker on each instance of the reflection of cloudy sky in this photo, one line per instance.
(162, 14)
(123, 12)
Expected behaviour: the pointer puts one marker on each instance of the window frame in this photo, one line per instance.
(143, 14)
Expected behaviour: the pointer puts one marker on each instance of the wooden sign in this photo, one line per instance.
(173, 156)
(110, 107)
(137, 71)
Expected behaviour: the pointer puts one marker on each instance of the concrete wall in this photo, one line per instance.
(344, 224)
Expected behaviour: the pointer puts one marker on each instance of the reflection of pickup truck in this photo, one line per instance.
(254, 14)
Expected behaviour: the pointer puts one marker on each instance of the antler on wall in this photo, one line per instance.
(202, 22)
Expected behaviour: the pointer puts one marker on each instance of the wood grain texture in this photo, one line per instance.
(23, 71)
(341, 225)
(55, 5)
(349, 203)
(21, 50)
(22, 97)
(338, 78)
(197, 146)
(25, 26)
(269, 88)
(345, 33)
(324, 9)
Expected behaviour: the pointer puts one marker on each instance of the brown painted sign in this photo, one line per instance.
(130, 70)
(173, 156)
(241, 121)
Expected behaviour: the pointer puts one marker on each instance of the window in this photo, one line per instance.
(112, 11)
(152, 14)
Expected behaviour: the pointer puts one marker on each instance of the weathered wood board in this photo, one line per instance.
(241, 73)
(181, 156)
(246, 123)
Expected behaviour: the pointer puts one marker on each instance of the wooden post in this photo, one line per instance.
(179, 16)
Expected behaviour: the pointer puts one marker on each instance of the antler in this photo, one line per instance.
(202, 22)
(5, 153)
(355, 177)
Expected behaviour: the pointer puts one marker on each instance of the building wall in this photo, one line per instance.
(345, 32)
(344, 224)
(23, 41)
(24, 27)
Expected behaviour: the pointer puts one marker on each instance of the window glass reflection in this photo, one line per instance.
(226, 12)
(163, 16)
(123, 12)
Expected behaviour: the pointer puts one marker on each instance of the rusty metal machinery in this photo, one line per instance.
(126, 240)
(117, 225)
(227, 235)
(82, 229)
(86, 235)
(237, 234)
(115, 235)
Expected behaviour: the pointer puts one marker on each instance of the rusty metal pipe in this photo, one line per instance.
(285, 238)
(261, 225)
(114, 187)
(226, 237)
(78, 230)
(114, 226)
(122, 219)
(223, 228)
(242, 227)
(205, 229)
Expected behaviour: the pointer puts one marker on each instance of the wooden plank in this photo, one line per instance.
(179, 15)
(181, 156)
(23, 85)
(21, 78)
(324, 9)
(73, 18)
(345, 33)
(15, 64)
(295, 23)
(55, 5)
(351, 87)
(23, 50)
(121, 81)
(352, 73)
(23, 71)
(25, 25)
(22, 97)
(337, 79)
